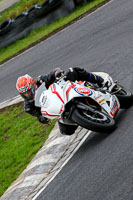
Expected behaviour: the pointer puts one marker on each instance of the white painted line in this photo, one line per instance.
(75, 150)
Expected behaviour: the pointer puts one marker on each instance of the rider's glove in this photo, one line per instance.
(106, 83)
(39, 80)
(71, 75)
(43, 120)
(58, 73)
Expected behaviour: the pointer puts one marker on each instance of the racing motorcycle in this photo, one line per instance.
(83, 103)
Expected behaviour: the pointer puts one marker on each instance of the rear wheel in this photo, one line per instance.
(125, 97)
(97, 121)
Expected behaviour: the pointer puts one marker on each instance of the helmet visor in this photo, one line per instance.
(28, 95)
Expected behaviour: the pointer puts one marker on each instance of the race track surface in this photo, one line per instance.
(103, 41)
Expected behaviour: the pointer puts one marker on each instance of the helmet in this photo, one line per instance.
(26, 87)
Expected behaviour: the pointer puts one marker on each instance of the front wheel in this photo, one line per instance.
(98, 121)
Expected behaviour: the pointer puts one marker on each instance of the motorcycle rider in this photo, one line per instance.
(26, 87)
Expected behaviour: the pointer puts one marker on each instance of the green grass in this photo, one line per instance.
(19, 7)
(21, 136)
(44, 31)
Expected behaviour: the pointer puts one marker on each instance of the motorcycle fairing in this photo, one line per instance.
(105, 100)
(53, 100)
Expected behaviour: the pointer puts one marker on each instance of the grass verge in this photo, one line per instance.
(47, 30)
(17, 8)
(21, 136)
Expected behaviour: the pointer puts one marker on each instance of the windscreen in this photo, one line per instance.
(38, 93)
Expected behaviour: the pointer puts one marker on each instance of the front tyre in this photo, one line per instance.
(98, 121)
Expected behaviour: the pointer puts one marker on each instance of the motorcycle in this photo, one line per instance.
(83, 103)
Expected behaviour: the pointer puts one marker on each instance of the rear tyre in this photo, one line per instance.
(125, 98)
(99, 122)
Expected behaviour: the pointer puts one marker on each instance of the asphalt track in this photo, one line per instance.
(103, 41)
